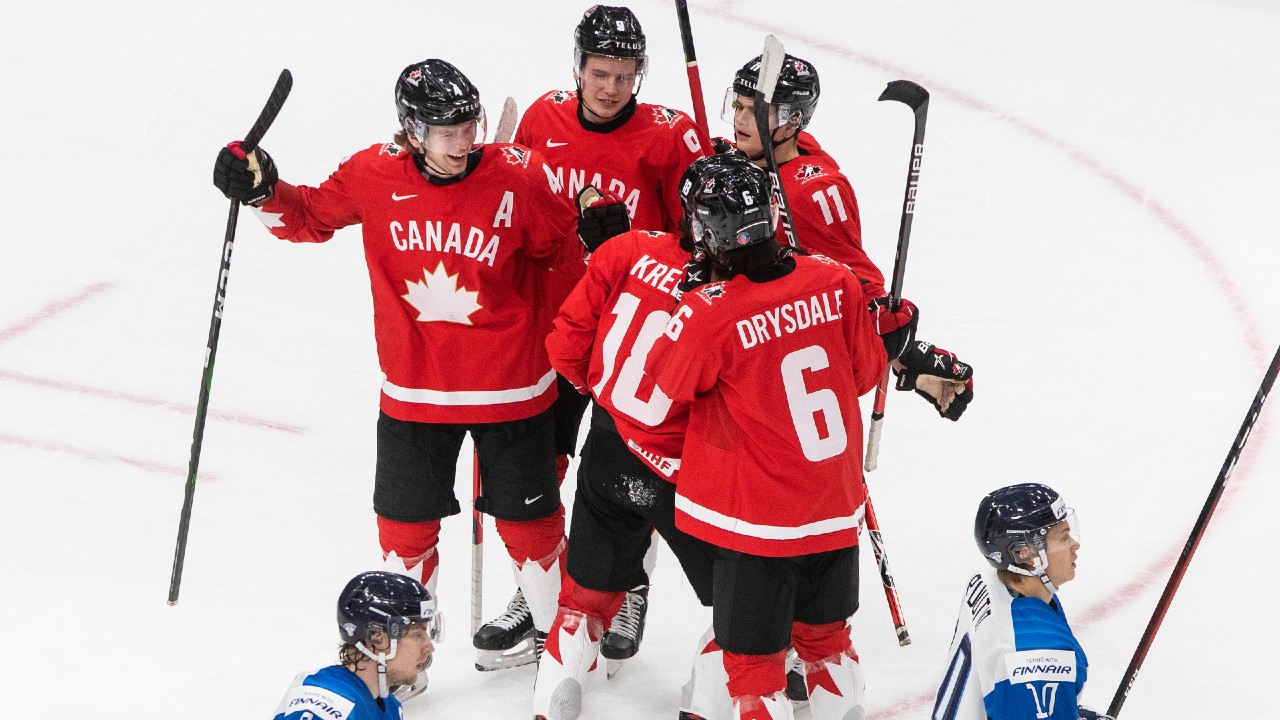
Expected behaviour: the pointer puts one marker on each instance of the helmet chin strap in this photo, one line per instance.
(380, 658)
(1039, 569)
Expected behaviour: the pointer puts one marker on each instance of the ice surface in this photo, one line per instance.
(1095, 233)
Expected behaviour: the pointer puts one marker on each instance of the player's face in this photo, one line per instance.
(446, 147)
(745, 134)
(1061, 547)
(607, 85)
(413, 654)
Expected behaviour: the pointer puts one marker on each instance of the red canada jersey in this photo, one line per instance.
(605, 330)
(640, 161)
(825, 215)
(772, 461)
(452, 268)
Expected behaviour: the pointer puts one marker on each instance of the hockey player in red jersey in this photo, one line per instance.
(599, 135)
(777, 491)
(455, 231)
(631, 458)
(824, 211)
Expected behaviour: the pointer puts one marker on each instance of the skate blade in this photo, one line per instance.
(522, 653)
(611, 668)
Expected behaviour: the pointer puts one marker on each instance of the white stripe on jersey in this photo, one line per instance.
(455, 398)
(767, 532)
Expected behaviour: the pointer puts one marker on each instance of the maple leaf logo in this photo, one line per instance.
(439, 299)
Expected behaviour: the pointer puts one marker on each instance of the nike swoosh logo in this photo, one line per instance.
(398, 198)
(556, 144)
(532, 500)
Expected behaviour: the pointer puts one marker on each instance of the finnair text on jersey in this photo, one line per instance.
(792, 317)
(657, 274)
(429, 235)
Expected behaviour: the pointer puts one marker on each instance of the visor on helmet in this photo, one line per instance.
(457, 139)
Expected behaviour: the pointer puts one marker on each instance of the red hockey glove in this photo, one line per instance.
(250, 178)
(938, 376)
(897, 328)
(600, 217)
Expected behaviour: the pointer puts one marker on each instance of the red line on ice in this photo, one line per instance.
(142, 400)
(52, 310)
(169, 470)
(1208, 261)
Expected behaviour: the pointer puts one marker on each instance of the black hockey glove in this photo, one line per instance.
(949, 385)
(722, 146)
(1088, 713)
(897, 328)
(250, 178)
(600, 217)
(697, 272)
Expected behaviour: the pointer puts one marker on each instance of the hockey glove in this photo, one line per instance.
(722, 146)
(1088, 713)
(697, 272)
(897, 328)
(937, 376)
(600, 217)
(250, 178)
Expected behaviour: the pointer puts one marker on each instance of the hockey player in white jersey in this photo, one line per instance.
(1013, 655)
(388, 624)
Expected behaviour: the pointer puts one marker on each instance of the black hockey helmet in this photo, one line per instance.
(612, 32)
(384, 601)
(1015, 517)
(434, 92)
(733, 206)
(701, 169)
(796, 95)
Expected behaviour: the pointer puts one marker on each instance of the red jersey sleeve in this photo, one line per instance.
(311, 214)
(571, 342)
(687, 144)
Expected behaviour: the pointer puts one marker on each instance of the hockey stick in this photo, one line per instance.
(268, 115)
(1197, 532)
(477, 548)
(691, 67)
(506, 122)
(886, 576)
(771, 60)
(505, 131)
(917, 98)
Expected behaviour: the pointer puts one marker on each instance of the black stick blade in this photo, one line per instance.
(269, 111)
(907, 92)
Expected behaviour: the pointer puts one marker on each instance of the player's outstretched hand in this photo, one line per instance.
(936, 375)
(247, 177)
(600, 217)
(896, 327)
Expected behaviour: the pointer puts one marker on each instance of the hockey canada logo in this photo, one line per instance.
(516, 155)
(414, 78)
(560, 97)
(712, 291)
(808, 172)
(665, 116)
(390, 149)
(653, 233)
(801, 68)
(438, 298)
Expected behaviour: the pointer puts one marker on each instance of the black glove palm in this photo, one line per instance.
(600, 217)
